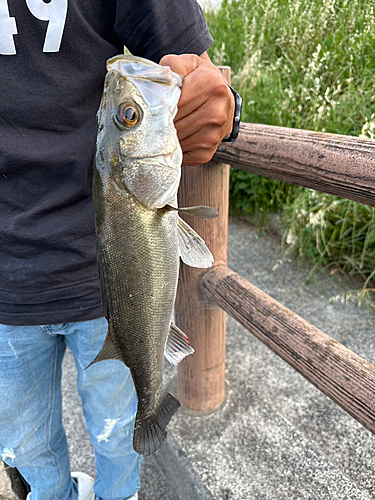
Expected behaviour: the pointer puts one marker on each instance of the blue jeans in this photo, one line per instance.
(32, 437)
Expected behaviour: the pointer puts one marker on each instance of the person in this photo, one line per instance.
(52, 66)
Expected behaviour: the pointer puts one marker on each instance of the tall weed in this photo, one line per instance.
(306, 64)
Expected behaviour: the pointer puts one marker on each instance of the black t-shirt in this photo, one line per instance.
(52, 68)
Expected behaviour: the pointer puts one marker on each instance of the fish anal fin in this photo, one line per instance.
(193, 250)
(108, 351)
(177, 346)
(150, 432)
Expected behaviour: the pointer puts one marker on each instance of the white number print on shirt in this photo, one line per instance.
(54, 12)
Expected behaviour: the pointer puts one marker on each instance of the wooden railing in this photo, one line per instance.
(339, 165)
(334, 164)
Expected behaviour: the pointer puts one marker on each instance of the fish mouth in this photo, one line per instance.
(170, 160)
(138, 68)
(165, 160)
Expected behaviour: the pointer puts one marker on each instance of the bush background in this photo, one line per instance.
(305, 64)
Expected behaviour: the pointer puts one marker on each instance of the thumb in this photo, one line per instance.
(182, 64)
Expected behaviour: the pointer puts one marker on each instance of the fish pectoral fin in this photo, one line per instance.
(177, 347)
(193, 249)
(201, 211)
(150, 432)
(108, 351)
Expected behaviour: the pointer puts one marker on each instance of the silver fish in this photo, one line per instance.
(140, 236)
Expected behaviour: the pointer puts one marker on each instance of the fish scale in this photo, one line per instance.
(142, 304)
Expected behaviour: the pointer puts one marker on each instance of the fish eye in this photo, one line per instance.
(128, 115)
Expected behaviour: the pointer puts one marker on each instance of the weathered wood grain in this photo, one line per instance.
(201, 377)
(335, 164)
(342, 375)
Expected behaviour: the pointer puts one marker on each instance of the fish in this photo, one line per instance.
(140, 235)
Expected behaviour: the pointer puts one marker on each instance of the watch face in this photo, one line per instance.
(237, 117)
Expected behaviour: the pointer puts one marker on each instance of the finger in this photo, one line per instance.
(194, 86)
(201, 146)
(191, 124)
(204, 120)
(205, 139)
(188, 105)
(203, 85)
(197, 157)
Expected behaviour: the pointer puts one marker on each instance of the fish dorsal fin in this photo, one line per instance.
(201, 211)
(193, 250)
(108, 351)
(178, 346)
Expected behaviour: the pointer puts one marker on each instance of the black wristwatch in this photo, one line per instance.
(237, 117)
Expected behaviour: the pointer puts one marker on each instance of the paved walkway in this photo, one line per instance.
(277, 437)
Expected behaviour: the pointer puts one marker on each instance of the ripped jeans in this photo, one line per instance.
(32, 437)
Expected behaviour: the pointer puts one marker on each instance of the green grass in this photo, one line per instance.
(305, 64)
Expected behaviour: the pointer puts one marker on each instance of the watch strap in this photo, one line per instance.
(237, 117)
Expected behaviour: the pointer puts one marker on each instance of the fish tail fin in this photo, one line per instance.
(150, 433)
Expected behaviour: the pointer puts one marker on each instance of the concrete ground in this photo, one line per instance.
(276, 436)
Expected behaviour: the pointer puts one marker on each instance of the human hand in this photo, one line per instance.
(205, 109)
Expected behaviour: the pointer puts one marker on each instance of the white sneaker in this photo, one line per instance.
(85, 485)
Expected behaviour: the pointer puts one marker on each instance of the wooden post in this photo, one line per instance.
(201, 377)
